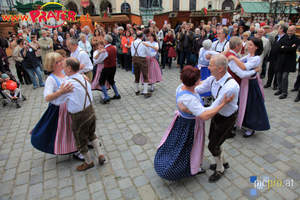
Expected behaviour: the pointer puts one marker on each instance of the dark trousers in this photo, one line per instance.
(297, 83)
(166, 58)
(121, 59)
(283, 82)
(272, 73)
(109, 75)
(184, 54)
(220, 127)
(264, 67)
(128, 62)
(178, 57)
(162, 53)
(21, 72)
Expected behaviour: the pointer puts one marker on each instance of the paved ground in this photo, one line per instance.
(27, 173)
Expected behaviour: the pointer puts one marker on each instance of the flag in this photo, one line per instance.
(85, 3)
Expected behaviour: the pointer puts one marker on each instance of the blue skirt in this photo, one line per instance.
(172, 159)
(256, 116)
(44, 133)
(205, 73)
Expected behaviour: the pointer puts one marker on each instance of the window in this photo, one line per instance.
(175, 5)
(209, 5)
(30, 1)
(192, 5)
(10, 2)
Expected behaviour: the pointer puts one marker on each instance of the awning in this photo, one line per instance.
(261, 7)
(114, 18)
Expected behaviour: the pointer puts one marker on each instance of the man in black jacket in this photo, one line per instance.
(273, 58)
(287, 61)
(186, 39)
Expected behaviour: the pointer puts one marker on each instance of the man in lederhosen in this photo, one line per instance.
(139, 53)
(79, 106)
(219, 83)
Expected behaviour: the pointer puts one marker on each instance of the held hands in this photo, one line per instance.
(66, 88)
(183, 108)
(146, 44)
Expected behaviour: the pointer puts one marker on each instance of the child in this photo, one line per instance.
(5, 88)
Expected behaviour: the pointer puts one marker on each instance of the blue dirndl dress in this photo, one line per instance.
(256, 116)
(205, 72)
(172, 159)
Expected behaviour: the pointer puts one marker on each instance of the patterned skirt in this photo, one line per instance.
(95, 83)
(172, 159)
(53, 133)
(154, 71)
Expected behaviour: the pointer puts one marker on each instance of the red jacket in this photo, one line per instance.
(236, 77)
(110, 60)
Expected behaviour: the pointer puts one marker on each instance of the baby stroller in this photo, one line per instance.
(7, 99)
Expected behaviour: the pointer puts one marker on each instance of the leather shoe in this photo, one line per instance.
(147, 95)
(215, 176)
(278, 93)
(214, 166)
(297, 99)
(266, 86)
(104, 101)
(231, 135)
(202, 171)
(137, 93)
(115, 97)
(245, 135)
(294, 89)
(262, 76)
(101, 159)
(274, 88)
(283, 96)
(84, 166)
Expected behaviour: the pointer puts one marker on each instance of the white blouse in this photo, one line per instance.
(252, 62)
(51, 86)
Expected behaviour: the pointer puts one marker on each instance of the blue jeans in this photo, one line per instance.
(32, 76)
(185, 53)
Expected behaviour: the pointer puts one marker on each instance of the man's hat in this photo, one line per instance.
(266, 26)
(4, 76)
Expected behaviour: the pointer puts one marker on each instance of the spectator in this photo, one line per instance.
(31, 64)
(120, 47)
(38, 52)
(209, 33)
(244, 49)
(85, 45)
(60, 32)
(64, 46)
(221, 44)
(252, 32)
(199, 41)
(132, 32)
(169, 42)
(161, 36)
(240, 32)
(88, 34)
(186, 39)
(73, 34)
(17, 57)
(46, 45)
(126, 43)
(56, 43)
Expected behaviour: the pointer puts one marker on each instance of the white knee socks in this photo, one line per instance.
(220, 167)
(145, 88)
(152, 86)
(87, 157)
(96, 146)
(103, 95)
(223, 159)
(136, 87)
(249, 132)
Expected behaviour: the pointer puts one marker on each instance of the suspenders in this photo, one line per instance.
(219, 87)
(136, 54)
(86, 92)
(222, 48)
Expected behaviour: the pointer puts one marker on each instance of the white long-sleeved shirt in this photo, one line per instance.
(75, 100)
(83, 58)
(219, 46)
(230, 88)
(102, 56)
(142, 50)
(238, 71)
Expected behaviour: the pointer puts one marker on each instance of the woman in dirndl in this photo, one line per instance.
(252, 111)
(180, 152)
(203, 66)
(154, 71)
(53, 133)
(100, 65)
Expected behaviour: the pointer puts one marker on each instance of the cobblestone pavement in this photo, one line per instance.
(128, 173)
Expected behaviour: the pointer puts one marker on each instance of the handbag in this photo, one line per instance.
(193, 58)
(172, 52)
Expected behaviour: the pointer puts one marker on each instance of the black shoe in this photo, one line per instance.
(18, 105)
(297, 98)
(115, 97)
(104, 101)
(278, 93)
(283, 96)
(274, 88)
(147, 95)
(22, 83)
(202, 171)
(234, 128)
(215, 176)
(246, 136)
(266, 86)
(34, 88)
(151, 90)
(137, 93)
(214, 166)
(231, 135)
(262, 76)
(294, 89)
(77, 158)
